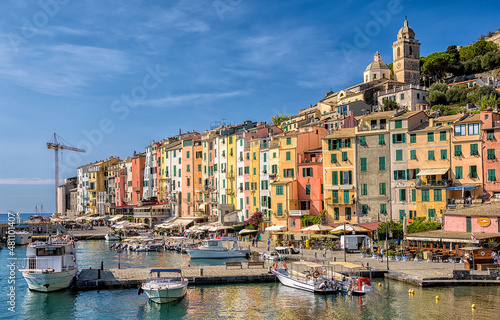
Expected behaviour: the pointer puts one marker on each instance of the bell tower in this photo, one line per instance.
(406, 56)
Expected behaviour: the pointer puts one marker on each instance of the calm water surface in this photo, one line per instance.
(269, 301)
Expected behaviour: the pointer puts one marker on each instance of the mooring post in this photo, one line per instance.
(201, 272)
(98, 273)
(102, 265)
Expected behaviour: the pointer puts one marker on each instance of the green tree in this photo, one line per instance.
(478, 48)
(421, 224)
(394, 226)
(436, 64)
(279, 118)
(446, 110)
(456, 94)
(437, 94)
(389, 104)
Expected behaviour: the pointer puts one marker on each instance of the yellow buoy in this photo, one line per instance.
(409, 291)
(379, 284)
(473, 306)
(437, 297)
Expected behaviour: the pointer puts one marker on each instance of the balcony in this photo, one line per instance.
(264, 146)
(299, 213)
(433, 183)
(231, 175)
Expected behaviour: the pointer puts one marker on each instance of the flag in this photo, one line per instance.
(472, 236)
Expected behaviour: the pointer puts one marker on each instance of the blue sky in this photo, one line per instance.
(110, 76)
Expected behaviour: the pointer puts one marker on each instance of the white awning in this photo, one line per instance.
(116, 218)
(431, 172)
(184, 222)
(275, 228)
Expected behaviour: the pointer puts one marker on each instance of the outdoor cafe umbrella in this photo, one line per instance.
(317, 227)
(245, 231)
(349, 228)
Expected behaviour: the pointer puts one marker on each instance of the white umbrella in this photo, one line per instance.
(349, 227)
(245, 231)
(275, 228)
(317, 227)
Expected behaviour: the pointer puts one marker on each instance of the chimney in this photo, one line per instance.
(431, 122)
(180, 132)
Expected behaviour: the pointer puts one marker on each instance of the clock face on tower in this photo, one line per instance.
(398, 65)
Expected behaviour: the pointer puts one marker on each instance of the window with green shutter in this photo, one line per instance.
(491, 154)
(413, 154)
(335, 196)
(401, 215)
(383, 208)
(399, 124)
(335, 178)
(364, 189)
(288, 156)
(473, 149)
(425, 195)
(430, 136)
(279, 190)
(344, 156)
(381, 188)
(308, 189)
(402, 194)
(288, 141)
(459, 172)
(432, 213)
(438, 195)
(473, 172)
(458, 150)
(381, 163)
(442, 135)
(348, 213)
(334, 158)
(363, 165)
(381, 139)
(490, 135)
(492, 175)
(364, 209)
(430, 155)
(413, 138)
(444, 154)
(468, 224)
(362, 140)
(346, 197)
(280, 209)
(336, 213)
(399, 155)
(413, 195)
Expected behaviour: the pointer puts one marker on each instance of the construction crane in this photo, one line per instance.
(56, 145)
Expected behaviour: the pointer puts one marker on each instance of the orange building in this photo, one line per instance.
(138, 164)
(491, 145)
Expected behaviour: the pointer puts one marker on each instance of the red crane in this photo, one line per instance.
(56, 145)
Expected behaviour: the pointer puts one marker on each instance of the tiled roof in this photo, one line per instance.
(342, 133)
(407, 115)
(471, 118)
(491, 209)
(384, 114)
(442, 234)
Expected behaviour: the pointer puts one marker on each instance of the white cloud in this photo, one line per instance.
(26, 181)
(178, 100)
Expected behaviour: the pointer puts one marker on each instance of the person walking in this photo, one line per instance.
(268, 243)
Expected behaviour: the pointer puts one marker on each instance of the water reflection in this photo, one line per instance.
(54, 305)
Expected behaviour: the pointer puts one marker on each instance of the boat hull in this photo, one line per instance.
(302, 285)
(49, 282)
(216, 254)
(165, 295)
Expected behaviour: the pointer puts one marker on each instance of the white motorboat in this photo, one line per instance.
(111, 236)
(214, 249)
(50, 266)
(22, 238)
(313, 279)
(165, 289)
(272, 256)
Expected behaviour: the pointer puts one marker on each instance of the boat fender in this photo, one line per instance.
(284, 265)
(140, 290)
(275, 265)
(315, 274)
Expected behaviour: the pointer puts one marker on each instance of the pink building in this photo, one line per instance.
(121, 184)
(138, 163)
(475, 219)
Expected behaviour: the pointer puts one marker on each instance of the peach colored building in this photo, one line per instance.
(138, 164)
(491, 152)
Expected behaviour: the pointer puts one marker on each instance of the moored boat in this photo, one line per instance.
(112, 236)
(50, 266)
(167, 288)
(214, 249)
(312, 278)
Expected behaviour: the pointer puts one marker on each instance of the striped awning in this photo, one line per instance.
(431, 172)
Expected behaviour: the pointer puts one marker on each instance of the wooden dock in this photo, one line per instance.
(93, 279)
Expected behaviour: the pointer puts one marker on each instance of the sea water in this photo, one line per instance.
(243, 301)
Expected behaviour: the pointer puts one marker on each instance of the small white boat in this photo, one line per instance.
(22, 238)
(165, 289)
(214, 249)
(272, 256)
(49, 266)
(111, 236)
(313, 279)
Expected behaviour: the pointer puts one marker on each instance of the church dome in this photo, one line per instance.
(377, 63)
(406, 32)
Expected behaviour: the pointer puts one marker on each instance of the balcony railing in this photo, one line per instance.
(434, 183)
(299, 213)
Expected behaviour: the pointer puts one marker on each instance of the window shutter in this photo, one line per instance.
(348, 143)
(341, 176)
(350, 177)
(393, 138)
(404, 137)
(292, 174)
(403, 175)
(338, 144)
(284, 172)
(408, 174)
(335, 179)
(303, 172)
(395, 175)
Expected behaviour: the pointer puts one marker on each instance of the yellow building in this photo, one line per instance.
(254, 175)
(339, 164)
(466, 163)
(231, 169)
(429, 163)
(97, 185)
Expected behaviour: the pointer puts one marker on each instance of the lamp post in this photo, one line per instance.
(386, 242)
(345, 252)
